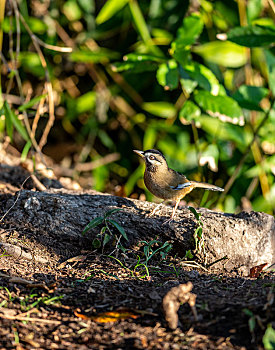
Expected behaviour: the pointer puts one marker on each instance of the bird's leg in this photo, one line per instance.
(173, 213)
(156, 209)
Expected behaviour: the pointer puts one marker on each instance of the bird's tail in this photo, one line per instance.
(206, 186)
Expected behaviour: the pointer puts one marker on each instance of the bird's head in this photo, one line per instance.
(154, 159)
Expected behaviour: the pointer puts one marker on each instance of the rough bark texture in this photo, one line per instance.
(52, 221)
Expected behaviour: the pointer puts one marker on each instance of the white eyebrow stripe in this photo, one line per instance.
(181, 186)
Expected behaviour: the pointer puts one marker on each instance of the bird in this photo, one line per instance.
(166, 183)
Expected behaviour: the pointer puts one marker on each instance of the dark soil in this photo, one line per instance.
(56, 305)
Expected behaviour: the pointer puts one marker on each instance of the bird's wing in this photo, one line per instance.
(178, 181)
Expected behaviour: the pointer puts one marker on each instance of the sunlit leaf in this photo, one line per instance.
(269, 338)
(168, 75)
(189, 111)
(141, 57)
(249, 97)
(222, 107)
(110, 8)
(252, 36)
(134, 66)
(97, 56)
(85, 102)
(202, 75)
(13, 118)
(224, 53)
(160, 109)
(31, 103)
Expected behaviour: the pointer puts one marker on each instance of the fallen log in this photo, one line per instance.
(52, 222)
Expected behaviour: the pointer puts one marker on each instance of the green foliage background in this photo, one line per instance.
(192, 79)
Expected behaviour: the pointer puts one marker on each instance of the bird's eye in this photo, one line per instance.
(151, 157)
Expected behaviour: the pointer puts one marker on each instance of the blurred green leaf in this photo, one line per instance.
(168, 75)
(270, 60)
(37, 26)
(189, 111)
(31, 103)
(187, 34)
(160, 109)
(249, 97)
(25, 151)
(98, 56)
(85, 103)
(225, 131)
(210, 156)
(150, 137)
(222, 107)
(223, 53)
(254, 8)
(252, 36)
(13, 118)
(110, 8)
(72, 11)
(269, 338)
(134, 66)
(30, 61)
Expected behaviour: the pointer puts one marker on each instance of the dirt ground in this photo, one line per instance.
(102, 301)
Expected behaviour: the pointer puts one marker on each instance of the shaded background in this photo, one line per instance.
(86, 82)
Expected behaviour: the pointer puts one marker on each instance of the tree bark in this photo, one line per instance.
(52, 222)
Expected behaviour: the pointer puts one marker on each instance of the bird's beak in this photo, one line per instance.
(140, 153)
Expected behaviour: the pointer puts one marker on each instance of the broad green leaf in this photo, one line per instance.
(168, 75)
(15, 121)
(202, 75)
(186, 36)
(189, 111)
(223, 53)
(26, 150)
(252, 36)
(150, 137)
(98, 56)
(110, 8)
(31, 103)
(210, 156)
(249, 97)
(134, 66)
(141, 57)
(119, 228)
(270, 61)
(222, 107)
(160, 109)
(95, 222)
(188, 85)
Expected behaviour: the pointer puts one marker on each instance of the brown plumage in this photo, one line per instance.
(166, 183)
